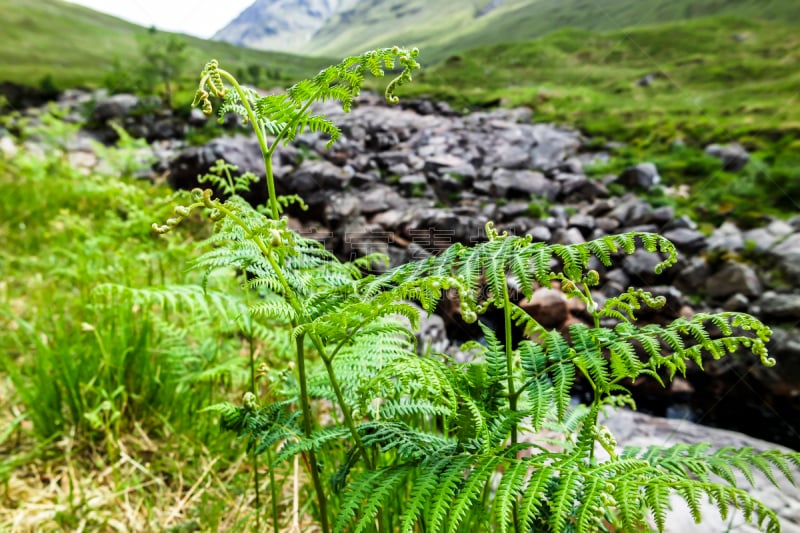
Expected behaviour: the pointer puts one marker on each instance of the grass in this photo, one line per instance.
(716, 79)
(101, 397)
(76, 46)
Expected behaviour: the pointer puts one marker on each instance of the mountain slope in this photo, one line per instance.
(77, 46)
(440, 27)
(282, 25)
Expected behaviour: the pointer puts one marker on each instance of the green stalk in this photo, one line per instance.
(266, 151)
(306, 407)
(513, 395)
(256, 481)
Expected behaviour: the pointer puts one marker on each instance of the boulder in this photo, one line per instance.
(547, 306)
(734, 157)
(643, 176)
(523, 183)
(731, 279)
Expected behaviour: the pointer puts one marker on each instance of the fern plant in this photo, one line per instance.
(422, 443)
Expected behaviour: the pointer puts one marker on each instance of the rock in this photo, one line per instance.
(522, 183)
(380, 198)
(763, 239)
(547, 306)
(196, 161)
(731, 279)
(640, 266)
(787, 254)
(780, 306)
(114, 107)
(314, 181)
(686, 239)
(644, 176)
(552, 146)
(509, 156)
(636, 429)
(727, 237)
(8, 149)
(694, 275)
(568, 236)
(196, 118)
(737, 302)
(733, 156)
(578, 188)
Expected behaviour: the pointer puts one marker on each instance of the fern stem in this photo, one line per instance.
(513, 395)
(256, 480)
(266, 150)
(306, 407)
(273, 489)
(346, 413)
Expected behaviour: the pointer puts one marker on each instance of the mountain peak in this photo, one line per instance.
(281, 25)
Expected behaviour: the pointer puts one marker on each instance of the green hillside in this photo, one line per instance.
(77, 46)
(715, 79)
(439, 27)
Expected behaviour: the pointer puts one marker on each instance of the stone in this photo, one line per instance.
(196, 118)
(640, 266)
(781, 306)
(523, 183)
(686, 239)
(734, 157)
(731, 279)
(316, 178)
(737, 302)
(643, 176)
(114, 107)
(8, 149)
(694, 275)
(243, 152)
(764, 239)
(547, 306)
(637, 429)
(552, 146)
(726, 237)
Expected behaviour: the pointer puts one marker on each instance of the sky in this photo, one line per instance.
(201, 18)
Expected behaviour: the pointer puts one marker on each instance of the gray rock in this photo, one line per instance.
(640, 266)
(781, 306)
(568, 236)
(522, 183)
(552, 146)
(733, 156)
(737, 302)
(731, 279)
(196, 161)
(540, 234)
(763, 239)
(644, 176)
(510, 156)
(584, 223)
(686, 239)
(694, 275)
(196, 118)
(636, 429)
(380, 198)
(116, 106)
(726, 237)
(579, 188)
(315, 178)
